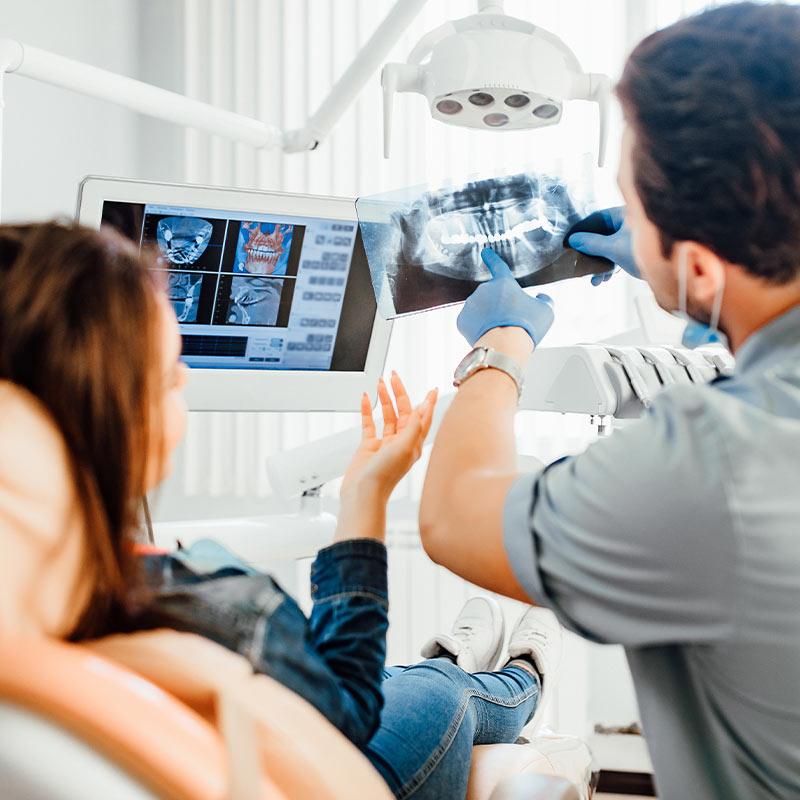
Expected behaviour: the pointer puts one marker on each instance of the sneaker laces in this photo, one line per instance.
(464, 634)
(534, 636)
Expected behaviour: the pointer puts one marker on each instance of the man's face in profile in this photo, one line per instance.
(659, 272)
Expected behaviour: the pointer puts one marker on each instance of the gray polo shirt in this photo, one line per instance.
(679, 538)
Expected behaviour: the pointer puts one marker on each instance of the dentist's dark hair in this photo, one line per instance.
(78, 330)
(714, 102)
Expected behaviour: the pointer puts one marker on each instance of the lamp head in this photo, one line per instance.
(494, 72)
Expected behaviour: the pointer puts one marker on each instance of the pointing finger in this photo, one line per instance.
(497, 266)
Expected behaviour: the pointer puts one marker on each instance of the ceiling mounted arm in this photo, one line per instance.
(596, 88)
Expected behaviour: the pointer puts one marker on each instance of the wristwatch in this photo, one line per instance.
(488, 358)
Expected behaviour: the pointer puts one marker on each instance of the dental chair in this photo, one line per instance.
(76, 726)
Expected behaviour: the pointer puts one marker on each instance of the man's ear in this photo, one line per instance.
(705, 273)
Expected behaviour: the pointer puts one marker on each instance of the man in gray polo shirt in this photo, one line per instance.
(679, 536)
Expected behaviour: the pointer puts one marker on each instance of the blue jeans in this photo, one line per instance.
(434, 713)
(415, 724)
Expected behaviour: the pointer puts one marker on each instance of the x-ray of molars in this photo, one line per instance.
(424, 246)
(263, 248)
(522, 217)
(182, 240)
(254, 301)
(183, 289)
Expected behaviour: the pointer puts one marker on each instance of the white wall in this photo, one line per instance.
(52, 138)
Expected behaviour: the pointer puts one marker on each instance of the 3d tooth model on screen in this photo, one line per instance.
(424, 247)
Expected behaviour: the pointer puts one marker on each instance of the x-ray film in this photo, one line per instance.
(424, 246)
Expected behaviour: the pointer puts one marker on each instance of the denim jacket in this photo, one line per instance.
(333, 660)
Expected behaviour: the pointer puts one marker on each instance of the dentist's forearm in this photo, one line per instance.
(477, 433)
(473, 463)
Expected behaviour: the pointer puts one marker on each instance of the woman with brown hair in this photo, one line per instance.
(90, 414)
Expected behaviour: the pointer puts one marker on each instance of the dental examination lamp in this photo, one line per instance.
(491, 71)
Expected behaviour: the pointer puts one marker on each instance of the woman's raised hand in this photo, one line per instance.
(380, 462)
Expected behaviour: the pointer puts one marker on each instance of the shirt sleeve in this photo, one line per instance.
(632, 542)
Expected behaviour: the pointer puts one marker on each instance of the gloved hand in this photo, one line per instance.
(502, 302)
(614, 245)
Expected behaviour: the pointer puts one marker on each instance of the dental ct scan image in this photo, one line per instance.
(184, 289)
(424, 246)
(263, 248)
(254, 301)
(185, 242)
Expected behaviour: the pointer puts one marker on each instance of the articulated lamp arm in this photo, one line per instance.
(32, 62)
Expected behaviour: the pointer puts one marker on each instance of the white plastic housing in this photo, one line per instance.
(494, 72)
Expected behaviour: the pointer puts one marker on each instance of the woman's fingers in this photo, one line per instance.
(404, 407)
(387, 407)
(427, 411)
(367, 421)
(419, 423)
(397, 421)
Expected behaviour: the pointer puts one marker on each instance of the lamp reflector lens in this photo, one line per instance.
(448, 106)
(496, 120)
(545, 111)
(517, 100)
(481, 99)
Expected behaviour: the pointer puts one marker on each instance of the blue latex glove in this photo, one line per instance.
(615, 246)
(501, 303)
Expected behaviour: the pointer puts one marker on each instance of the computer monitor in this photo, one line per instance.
(272, 291)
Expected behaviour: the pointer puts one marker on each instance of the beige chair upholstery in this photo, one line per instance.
(548, 755)
(158, 747)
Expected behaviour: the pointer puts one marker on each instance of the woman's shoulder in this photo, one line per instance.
(36, 481)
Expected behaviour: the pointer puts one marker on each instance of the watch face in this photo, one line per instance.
(470, 363)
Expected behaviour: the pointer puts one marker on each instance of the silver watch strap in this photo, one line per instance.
(506, 364)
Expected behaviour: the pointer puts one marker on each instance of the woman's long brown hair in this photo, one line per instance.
(78, 331)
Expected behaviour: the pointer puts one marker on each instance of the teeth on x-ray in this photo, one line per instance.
(184, 293)
(522, 217)
(183, 240)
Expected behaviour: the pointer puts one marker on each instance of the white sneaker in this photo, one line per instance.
(538, 636)
(476, 638)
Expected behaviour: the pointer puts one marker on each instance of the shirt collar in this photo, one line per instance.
(769, 344)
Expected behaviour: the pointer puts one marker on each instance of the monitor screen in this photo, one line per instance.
(272, 290)
(260, 291)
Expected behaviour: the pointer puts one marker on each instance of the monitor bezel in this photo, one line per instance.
(252, 390)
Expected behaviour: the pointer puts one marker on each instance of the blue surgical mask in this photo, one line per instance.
(696, 334)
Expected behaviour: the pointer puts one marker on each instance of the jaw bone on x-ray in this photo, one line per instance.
(182, 240)
(254, 301)
(184, 293)
(424, 247)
